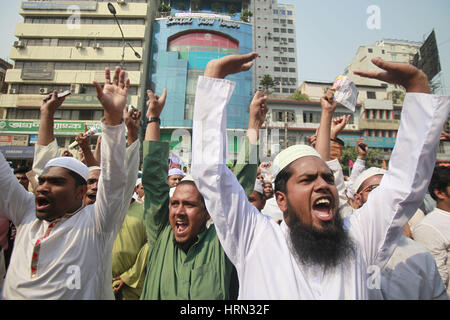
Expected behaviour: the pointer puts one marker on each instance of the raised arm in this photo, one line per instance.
(247, 162)
(381, 220)
(46, 147)
(112, 180)
(154, 173)
(234, 217)
(83, 143)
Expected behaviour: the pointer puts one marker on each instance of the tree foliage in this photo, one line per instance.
(350, 153)
(267, 82)
(300, 96)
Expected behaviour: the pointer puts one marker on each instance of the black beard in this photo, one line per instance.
(328, 247)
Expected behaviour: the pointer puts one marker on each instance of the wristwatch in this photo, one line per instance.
(153, 119)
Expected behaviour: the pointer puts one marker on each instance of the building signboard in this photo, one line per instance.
(202, 20)
(16, 152)
(60, 127)
(372, 142)
(87, 5)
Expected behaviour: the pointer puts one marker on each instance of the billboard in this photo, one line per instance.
(427, 59)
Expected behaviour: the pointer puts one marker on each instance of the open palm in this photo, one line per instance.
(113, 96)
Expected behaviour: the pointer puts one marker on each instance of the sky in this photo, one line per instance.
(329, 32)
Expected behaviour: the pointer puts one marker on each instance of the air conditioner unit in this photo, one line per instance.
(97, 46)
(19, 44)
(44, 91)
(76, 88)
(79, 45)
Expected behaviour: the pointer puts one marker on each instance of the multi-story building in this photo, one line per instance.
(184, 41)
(67, 45)
(389, 50)
(275, 40)
(4, 66)
(289, 122)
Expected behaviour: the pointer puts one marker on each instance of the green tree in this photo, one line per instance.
(267, 82)
(216, 7)
(231, 9)
(350, 153)
(300, 96)
(398, 97)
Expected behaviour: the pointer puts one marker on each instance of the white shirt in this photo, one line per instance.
(411, 274)
(75, 259)
(260, 249)
(272, 209)
(433, 232)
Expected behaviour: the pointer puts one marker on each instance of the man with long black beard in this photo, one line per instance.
(283, 261)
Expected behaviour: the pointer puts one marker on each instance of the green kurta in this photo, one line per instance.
(204, 272)
(130, 253)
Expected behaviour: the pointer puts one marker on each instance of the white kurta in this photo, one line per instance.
(260, 249)
(411, 274)
(433, 232)
(75, 259)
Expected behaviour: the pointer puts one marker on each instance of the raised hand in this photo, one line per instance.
(328, 103)
(52, 103)
(445, 136)
(258, 108)
(231, 64)
(406, 75)
(362, 153)
(155, 103)
(113, 96)
(132, 121)
(337, 125)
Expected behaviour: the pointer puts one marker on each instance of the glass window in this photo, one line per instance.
(371, 95)
(275, 11)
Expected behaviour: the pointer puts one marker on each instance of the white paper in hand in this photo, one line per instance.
(345, 92)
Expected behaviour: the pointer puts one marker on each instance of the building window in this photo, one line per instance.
(291, 49)
(291, 69)
(276, 58)
(283, 12)
(276, 48)
(276, 69)
(284, 69)
(370, 50)
(290, 30)
(276, 30)
(289, 13)
(290, 21)
(371, 95)
(291, 59)
(283, 30)
(275, 11)
(291, 40)
(276, 20)
(285, 90)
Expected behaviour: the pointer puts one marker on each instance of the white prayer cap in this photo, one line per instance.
(188, 177)
(94, 168)
(70, 164)
(172, 191)
(366, 174)
(175, 171)
(258, 186)
(289, 155)
(138, 182)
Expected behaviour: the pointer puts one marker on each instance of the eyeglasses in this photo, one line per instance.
(369, 188)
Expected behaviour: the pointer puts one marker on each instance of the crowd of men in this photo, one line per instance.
(92, 226)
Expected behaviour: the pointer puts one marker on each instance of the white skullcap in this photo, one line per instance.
(289, 155)
(138, 182)
(258, 186)
(94, 168)
(171, 191)
(175, 171)
(188, 177)
(366, 174)
(71, 164)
